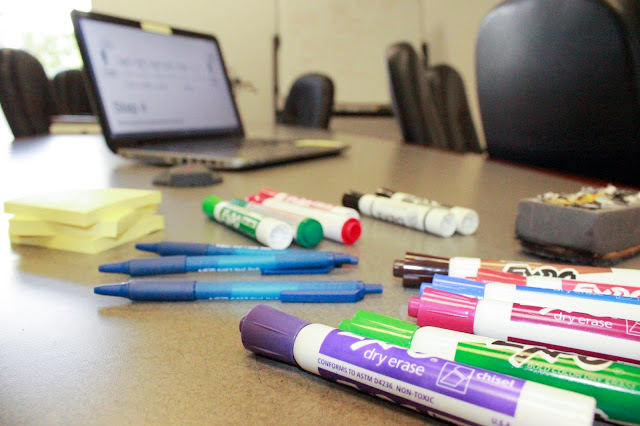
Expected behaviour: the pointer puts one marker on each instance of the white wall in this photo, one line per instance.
(245, 29)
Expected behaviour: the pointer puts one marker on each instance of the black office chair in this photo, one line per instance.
(559, 85)
(429, 102)
(415, 113)
(447, 88)
(25, 93)
(70, 92)
(309, 102)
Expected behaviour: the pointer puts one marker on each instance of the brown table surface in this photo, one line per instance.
(68, 356)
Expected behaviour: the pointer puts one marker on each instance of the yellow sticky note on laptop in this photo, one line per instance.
(81, 208)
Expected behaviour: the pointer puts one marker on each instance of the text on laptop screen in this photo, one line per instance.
(150, 82)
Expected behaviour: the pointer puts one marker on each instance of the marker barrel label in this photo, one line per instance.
(616, 387)
(241, 222)
(606, 326)
(426, 383)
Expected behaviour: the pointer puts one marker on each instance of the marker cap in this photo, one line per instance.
(351, 200)
(381, 327)
(467, 220)
(443, 309)
(351, 231)
(441, 222)
(309, 233)
(270, 332)
(209, 204)
(425, 266)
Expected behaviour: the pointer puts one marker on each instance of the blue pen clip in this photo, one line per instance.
(293, 271)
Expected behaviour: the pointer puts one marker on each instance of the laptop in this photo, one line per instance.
(163, 95)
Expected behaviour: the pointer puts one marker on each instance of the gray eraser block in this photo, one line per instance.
(596, 231)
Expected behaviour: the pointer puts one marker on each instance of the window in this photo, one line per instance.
(43, 28)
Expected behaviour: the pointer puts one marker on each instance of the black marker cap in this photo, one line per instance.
(351, 199)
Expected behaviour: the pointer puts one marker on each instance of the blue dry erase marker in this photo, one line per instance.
(595, 304)
(286, 291)
(312, 262)
(172, 248)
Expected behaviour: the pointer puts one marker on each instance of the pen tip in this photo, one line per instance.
(111, 290)
(147, 246)
(119, 268)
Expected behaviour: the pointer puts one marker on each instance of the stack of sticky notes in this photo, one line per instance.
(85, 221)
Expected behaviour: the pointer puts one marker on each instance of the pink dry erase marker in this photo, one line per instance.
(604, 337)
(340, 228)
(555, 283)
(308, 202)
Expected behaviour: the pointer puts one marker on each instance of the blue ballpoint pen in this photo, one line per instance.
(311, 262)
(286, 291)
(172, 248)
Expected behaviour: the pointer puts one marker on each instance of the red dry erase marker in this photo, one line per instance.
(309, 202)
(340, 228)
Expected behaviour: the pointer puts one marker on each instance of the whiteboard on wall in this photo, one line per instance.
(347, 40)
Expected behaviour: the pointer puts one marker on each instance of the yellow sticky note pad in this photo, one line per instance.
(143, 227)
(111, 225)
(81, 208)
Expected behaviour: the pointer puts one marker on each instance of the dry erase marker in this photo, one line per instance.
(623, 290)
(308, 202)
(307, 232)
(615, 386)
(271, 232)
(417, 268)
(467, 220)
(603, 337)
(435, 220)
(595, 304)
(340, 228)
(445, 389)
(468, 267)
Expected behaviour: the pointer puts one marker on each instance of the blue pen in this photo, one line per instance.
(286, 291)
(312, 262)
(171, 248)
(596, 304)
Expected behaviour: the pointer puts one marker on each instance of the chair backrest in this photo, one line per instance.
(559, 86)
(450, 98)
(429, 102)
(309, 102)
(406, 82)
(70, 92)
(25, 93)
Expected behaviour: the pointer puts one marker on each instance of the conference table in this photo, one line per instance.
(69, 356)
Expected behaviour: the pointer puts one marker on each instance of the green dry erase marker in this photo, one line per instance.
(271, 232)
(614, 385)
(307, 232)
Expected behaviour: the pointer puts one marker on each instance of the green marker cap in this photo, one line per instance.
(380, 327)
(309, 233)
(209, 204)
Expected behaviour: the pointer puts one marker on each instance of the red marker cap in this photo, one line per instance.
(443, 309)
(268, 192)
(351, 231)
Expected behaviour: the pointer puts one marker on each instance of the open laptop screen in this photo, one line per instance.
(151, 82)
